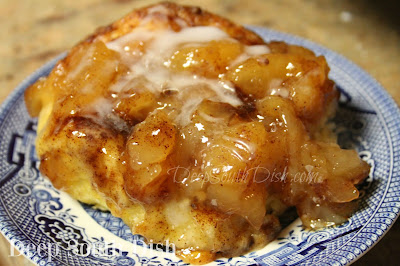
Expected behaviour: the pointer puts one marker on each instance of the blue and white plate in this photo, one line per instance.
(34, 216)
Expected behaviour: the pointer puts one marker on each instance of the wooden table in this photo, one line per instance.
(367, 33)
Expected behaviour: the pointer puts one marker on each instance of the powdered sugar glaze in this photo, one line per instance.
(148, 54)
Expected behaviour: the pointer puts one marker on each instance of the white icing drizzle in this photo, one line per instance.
(86, 59)
(210, 118)
(188, 109)
(152, 64)
(276, 88)
(101, 112)
(250, 51)
(283, 92)
(161, 9)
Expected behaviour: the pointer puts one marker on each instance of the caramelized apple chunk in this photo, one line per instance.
(148, 147)
(301, 78)
(208, 60)
(135, 105)
(151, 141)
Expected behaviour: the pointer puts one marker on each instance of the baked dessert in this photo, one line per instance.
(194, 130)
